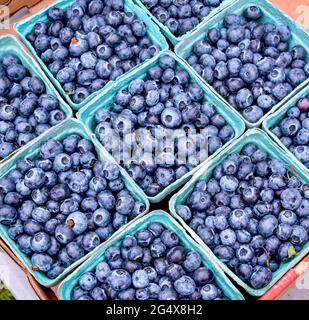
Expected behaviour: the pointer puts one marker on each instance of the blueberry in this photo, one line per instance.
(192, 262)
(296, 76)
(224, 253)
(291, 199)
(119, 280)
(41, 215)
(238, 219)
(175, 255)
(272, 244)
(267, 225)
(244, 254)
(185, 286)
(260, 277)
(74, 251)
(184, 212)
(64, 234)
(228, 237)
(87, 281)
(288, 217)
(7, 214)
(41, 262)
(199, 200)
(173, 272)
(16, 230)
(48, 102)
(302, 211)
(168, 294)
(244, 271)
(140, 279)
(228, 183)
(171, 117)
(102, 271)
(77, 221)
(157, 249)
(209, 292)
(24, 242)
(299, 235)
(90, 241)
(283, 231)
(253, 114)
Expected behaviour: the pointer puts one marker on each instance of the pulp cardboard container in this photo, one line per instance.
(107, 97)
(165, 30)
(68, 127)
(262, 141)
(270, 15)
(23, 28)
(276, 117)
(9, 45)
(67, 286)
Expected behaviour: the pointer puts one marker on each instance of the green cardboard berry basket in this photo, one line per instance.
(68, 127)
(24, 27)
(10, 45)
(66, 287)
(262, 141)
(106, 99)
(165, 30)
(276, 117)
(271, 14)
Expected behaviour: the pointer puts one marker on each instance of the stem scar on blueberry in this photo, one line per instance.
(74, 40)
(35, 268)
(70, 223)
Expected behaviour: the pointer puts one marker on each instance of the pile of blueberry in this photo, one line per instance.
(153, 118)
(293, 130)
(152, 264)
(26, 110)
(181, 16)
(90, 43)
(64, 204)
(250, 63)
(253, 213)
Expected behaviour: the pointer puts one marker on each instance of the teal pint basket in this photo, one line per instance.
(106, 99)
(23, 28)
(10, 45)
(68, 127)
(165, 30)
(66, 287)
(274, 118)
(271, 14)
(262, 141)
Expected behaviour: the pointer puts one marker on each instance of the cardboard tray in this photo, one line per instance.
(66, 287)
(270, 14)
(106, 99)
(68, 127)
(262, 141)
(24, 27)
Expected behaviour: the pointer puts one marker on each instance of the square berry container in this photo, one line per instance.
(107, 97)
(165, 30)
(66, 287)
(10, 45)
(262, 141)
(276, 117)
(271, 14)
(68, 127)
(24, 27)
